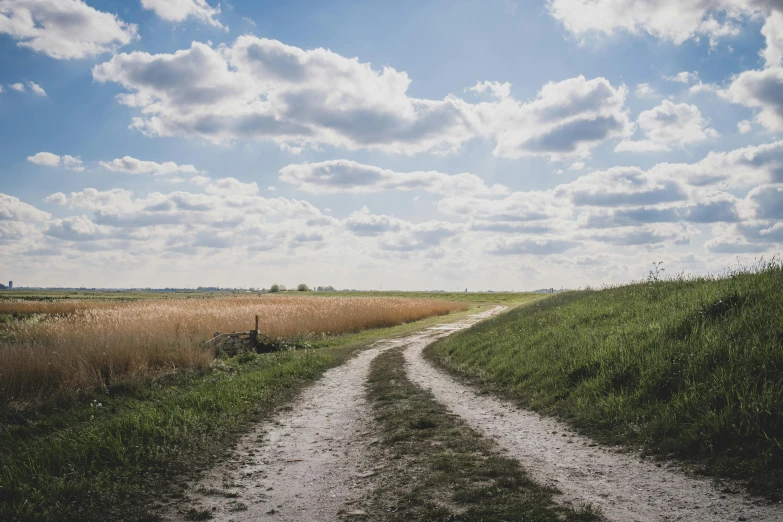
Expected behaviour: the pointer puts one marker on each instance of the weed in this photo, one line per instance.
(439, 469)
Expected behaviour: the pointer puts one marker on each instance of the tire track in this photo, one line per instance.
(310, 462)
(624, 487)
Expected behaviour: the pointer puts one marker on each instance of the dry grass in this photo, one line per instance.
(77, 346)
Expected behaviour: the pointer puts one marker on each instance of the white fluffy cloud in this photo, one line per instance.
(645, 90)
(37, 89)
(773, 33)
(759, 89)
(265, 90)
(349, 176)
(11, 209)
(674, 20)
(18, 87)
(229, 214)
(566, 119)
(53, 160)
(683, 77)
(129, 165)
(671, 20)
(63, 29)
(179, 10)
(669, 125)
(744, 126)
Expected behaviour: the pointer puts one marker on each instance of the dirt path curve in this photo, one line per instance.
(624, 487)
(310, 462)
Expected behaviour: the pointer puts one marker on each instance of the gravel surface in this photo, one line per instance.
(311, 462)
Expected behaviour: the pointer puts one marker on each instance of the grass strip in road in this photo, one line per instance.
(113, 456)
(438, 469)
(688, 367)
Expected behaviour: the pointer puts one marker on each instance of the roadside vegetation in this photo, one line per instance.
(116, 454)
(436, 468)
(59, 349)
(685, 367)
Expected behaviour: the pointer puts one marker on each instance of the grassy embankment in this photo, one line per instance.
(690, 368)
(436, 468)
(112, 454)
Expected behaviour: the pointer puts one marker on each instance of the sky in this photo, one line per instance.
(500, 144)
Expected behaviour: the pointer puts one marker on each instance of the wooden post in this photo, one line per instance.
(254, 337)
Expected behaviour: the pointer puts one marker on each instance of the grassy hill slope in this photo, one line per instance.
(685, 367)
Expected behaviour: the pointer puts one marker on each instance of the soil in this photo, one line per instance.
(311, 461)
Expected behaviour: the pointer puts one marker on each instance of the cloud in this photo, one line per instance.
(667, 125)
(397, 235)
(18, 87)
(260, 89)
(37, 89)
(228, 186)
(773, 33)
(645, 90)
(12, 209)
(129, 165)
(77, 228)
(734, 245)
(759, 89)
(701, 88)
(620, 186)
(648, 234)
(516, 207)
(674, 21)
(768, 201)
(744, 126)
(337, 176)
(566, 119)
(530, 245)
(421, 236)
(683, 77)
(178, 11)
(53, 160)
(656, 18)
(364, 223)
(63, 29)
(715, 208)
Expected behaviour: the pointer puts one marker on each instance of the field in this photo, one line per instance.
(116, 452)
(687, 367)
(55, 349)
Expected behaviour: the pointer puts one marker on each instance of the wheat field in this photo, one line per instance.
(64, 348)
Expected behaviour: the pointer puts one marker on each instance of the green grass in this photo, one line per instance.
(690, 368)
(114, 462)
(99, 463)
(436, 468)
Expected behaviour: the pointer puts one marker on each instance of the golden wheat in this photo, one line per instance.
(80, 345)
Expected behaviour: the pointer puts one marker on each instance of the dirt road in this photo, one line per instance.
(309, 463)
(622, 485)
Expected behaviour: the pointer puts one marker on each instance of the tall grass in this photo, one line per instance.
(685, 366)
(75, 346)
